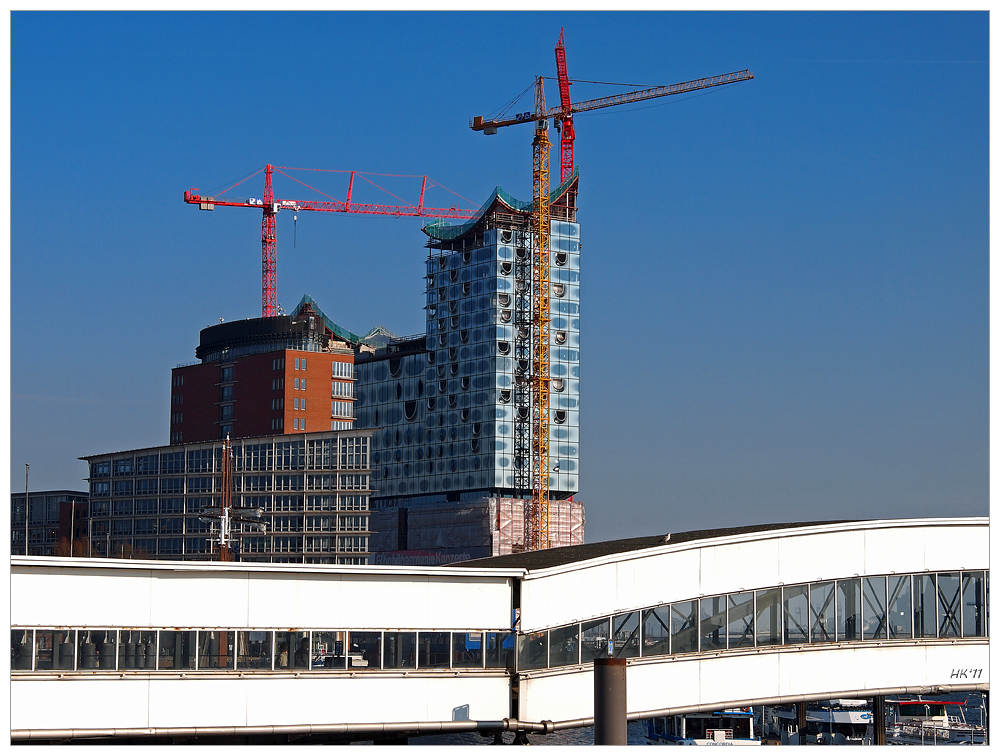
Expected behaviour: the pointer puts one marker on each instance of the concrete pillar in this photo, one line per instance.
(610, 711)
(878, 720)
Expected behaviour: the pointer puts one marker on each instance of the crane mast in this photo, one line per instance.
(536, 521)
(568, 134)
(269, 251)
(536, 525)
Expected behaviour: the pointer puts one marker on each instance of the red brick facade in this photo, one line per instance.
(284, 391)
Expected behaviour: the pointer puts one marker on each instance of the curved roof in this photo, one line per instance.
(442, 231)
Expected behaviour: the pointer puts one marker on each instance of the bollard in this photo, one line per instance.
(610, 711)
(878, 720)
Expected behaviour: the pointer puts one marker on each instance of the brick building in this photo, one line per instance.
(264, 376)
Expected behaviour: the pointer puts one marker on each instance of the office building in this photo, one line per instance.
(55, 519)
(313, 490)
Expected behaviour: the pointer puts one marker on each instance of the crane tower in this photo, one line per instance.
(536, 519)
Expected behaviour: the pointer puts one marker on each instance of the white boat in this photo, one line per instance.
(729, 727)
(839, 721)
(919, 722)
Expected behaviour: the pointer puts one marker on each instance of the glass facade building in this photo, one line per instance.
(451, 408)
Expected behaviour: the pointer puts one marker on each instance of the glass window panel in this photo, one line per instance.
(713, 623)
(740, 621)
(625, 635)
(97, 649)
(924, 607)
(55, 649)
(796, 615)
(215, 649)
(656, 631)
(292, 650)
(873, 614)
(137, 649)
(399, 650)
(435, 650)
(684, 627)
(177, 649)
(327, 649)
(365, 650)
(500, 650)
(822, 613)
(21, 643)
(564, 646)
(594, 637)
(900, 607)
(949, 606)
(467, 650)
(849, 609)
(973, 604)
(768, 617)
(532, 650)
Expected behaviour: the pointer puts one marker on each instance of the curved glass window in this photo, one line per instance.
(796, 614)
(949, 605)
(822, 613)
(873, 614)
(656, 631)
(740, 620)
(625, 635)
(713, 623)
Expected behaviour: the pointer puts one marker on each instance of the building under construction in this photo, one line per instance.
(452, 408)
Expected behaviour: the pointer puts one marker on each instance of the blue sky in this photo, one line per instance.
(785, 282)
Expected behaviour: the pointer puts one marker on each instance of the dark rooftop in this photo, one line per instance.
(540, 560)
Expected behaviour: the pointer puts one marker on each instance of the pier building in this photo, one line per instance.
(313, 489)
(746, 616)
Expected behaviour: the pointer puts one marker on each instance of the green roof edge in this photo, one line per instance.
(445, 232)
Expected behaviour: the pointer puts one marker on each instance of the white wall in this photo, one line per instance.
(89, 702)
(739, 676)
(81, 593)
(603, 586)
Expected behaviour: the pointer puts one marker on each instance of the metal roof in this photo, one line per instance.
(539, 560)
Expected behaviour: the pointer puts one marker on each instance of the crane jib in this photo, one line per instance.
(480, 124)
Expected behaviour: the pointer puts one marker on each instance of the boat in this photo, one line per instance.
(727, 727)
(840, 721)
(920, 722)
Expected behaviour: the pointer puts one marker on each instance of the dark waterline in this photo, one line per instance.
(585, 735)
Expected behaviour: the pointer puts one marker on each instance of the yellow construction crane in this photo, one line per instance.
(536, 520)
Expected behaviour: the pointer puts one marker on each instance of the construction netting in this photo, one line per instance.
(456, 531)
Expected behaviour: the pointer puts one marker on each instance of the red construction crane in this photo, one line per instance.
(536, 521)
(568, 135)
(270, 207)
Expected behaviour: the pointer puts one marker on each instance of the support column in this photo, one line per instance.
(610, 710)
(800, 721)
(878, 720)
